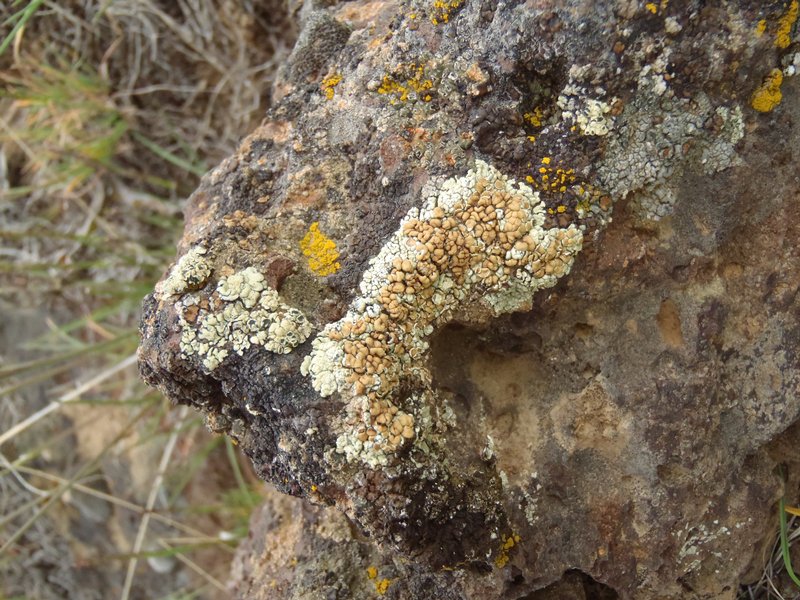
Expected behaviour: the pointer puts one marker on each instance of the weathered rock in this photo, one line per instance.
(355, 303)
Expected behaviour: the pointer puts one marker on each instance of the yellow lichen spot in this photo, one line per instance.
(443, 9)
(761, 27)
(651, 7)
(382, 585)
(412, 16)
(546, 160)
(508, 543)
(529, 179)
(329, 83)
(783, 37)
(535, 117)
(768, 95)
(313, 488)
(531, 138)
(372, 572)
(406, 80)
(320, 251)
(561, 208)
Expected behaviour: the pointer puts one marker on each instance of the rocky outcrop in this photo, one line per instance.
(514, 287)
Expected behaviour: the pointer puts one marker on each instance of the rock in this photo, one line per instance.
(384, 351)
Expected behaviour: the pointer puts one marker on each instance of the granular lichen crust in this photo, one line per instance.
(477, 238)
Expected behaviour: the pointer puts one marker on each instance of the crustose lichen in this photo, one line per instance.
(478, 238)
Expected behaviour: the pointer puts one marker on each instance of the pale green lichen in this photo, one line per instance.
(190, 272)
(583, 109)
(243, 312)
(477, 240)
(662, 138)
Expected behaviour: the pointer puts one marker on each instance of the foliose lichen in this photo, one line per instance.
(479, 238)
(586, 110)
(241, 313)
(190, 272)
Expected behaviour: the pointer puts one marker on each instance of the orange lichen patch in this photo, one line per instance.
(321, 251)
(382, 585)
(651, 7)
(783, 36)
(761, 27)
(329, 84)
(505, 550)
(768, 95)
(372, 572)
(407, 82)
(444, 9)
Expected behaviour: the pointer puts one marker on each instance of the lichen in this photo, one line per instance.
(591, 115)
(664, 136)
(476, 239)
(408, 82)
(190, 272)
(328, 85)
(783, 36)
(552, 178)
(243, 312)
(321, 252)
(444, 9)
(505, 550)
(535, 117)
(768, 95)
(382, 586)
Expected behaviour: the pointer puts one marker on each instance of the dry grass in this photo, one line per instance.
(775, 582)
(110, 110)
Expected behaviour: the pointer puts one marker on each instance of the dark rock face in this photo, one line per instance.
(487, 438)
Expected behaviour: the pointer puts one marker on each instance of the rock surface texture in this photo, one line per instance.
(513, 288)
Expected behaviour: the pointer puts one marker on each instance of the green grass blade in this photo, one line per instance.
(168, 156)
(26, 14)
(787, 559)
